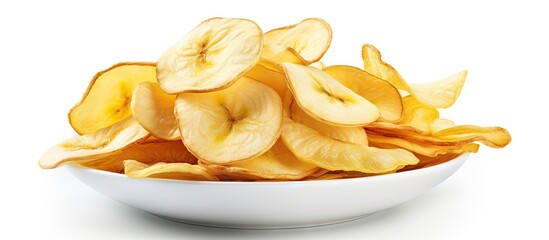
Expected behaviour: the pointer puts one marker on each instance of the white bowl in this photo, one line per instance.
(267, 205)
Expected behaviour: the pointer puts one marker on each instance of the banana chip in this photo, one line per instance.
(102, 143)
(107, 99)
(153, 109)
(233, 124)
(439, 94)
(180, 171)
(421, 147)
(310, 146)
(380, 92)
(150, 151)
(212, 56)
(495, 137)
(311, 38)
(326, 99)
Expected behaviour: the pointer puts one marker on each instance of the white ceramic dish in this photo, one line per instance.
(267, 205)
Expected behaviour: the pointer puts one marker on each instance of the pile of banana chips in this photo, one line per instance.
(231, 103)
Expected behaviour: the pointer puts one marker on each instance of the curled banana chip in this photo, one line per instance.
(420, 147)
(107, 99)
(89, 147)
(150, 151)
(153, 109)
(212, 56)
(379, 92)
(326, 99)
(439, 94)
(310, 146)
(311, 38)
(180, 171)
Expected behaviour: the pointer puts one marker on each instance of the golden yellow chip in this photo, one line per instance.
(211, 57)
(108, 97)
(179, 171)
(311, 38)
(310, 146)
(149, 152)
(153, 109)
(100, 144)
(438, 94)
(233, 124)
(326, 99)
(379, 92)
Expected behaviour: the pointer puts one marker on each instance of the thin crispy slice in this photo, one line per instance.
(179, 171)
(212, 56)
(233, 124)
(379, 92)
(326, 99)
(153, 109)
(420, 147)
(310, 146)
(438, 94)
(149, 152)
(311, 38)
(496, 137)
(102, 143)
(107, 99)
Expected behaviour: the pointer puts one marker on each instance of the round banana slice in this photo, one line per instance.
(210, 57)
(378, 91)
(326, 99)
(107, 99)
(236, 123)
(311, 38)
(310, 146)
(102, 143)
(153, 109)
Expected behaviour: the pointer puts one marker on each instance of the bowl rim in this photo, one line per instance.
(461, 158)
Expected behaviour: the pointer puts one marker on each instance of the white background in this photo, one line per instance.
(49, 50)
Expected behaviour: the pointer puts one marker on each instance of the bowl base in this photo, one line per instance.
(260, 227)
